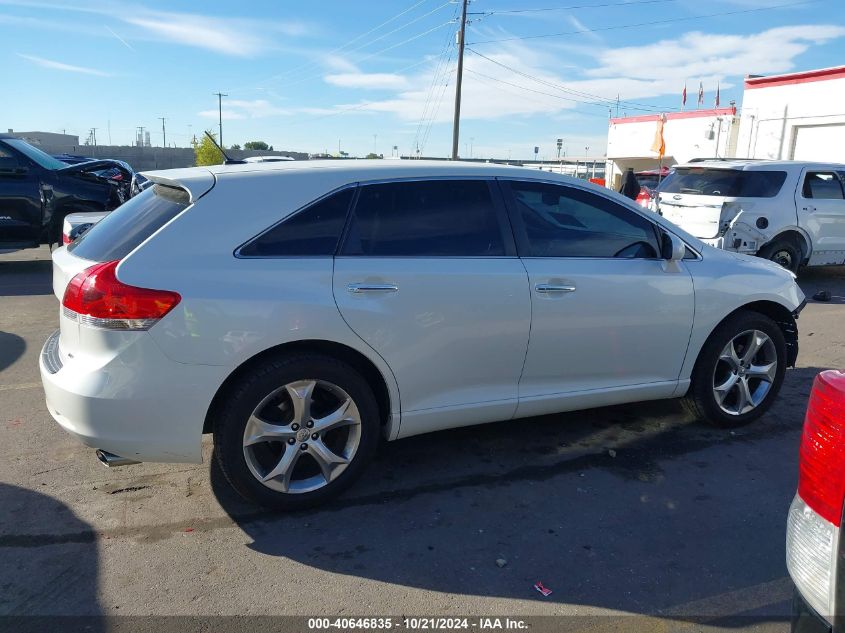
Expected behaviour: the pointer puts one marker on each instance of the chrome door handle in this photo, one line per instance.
(359, 288)
(809, 208)
(547, 288)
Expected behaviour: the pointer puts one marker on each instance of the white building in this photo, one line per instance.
(687, 135)
(798, 116)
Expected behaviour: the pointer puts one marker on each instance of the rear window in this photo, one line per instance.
(732, 183)
(125, 228)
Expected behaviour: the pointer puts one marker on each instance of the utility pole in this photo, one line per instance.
(163, 132)
(456, 128)
(220, 96)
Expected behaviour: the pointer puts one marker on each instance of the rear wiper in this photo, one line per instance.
(696, 191)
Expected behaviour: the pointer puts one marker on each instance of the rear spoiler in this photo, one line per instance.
(196, 181)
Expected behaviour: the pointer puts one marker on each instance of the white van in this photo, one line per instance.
(790, 212)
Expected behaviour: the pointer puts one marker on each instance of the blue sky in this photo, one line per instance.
(308, 75)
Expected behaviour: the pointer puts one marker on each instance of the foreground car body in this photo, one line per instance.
(37, 191)
(391, 298)
(814, 545)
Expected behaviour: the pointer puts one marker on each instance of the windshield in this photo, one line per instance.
(35, 154)
(733, 183)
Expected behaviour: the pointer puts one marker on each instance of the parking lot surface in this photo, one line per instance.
(630, 510)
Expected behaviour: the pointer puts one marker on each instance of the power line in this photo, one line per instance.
(540, 92)
(572, 6)
(435, 78)
(604, 101)
(641, 24)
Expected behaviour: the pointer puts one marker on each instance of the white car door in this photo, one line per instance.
(821, 211)
(611, 321)
(427, 275)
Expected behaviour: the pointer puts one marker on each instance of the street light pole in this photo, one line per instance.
(456, 126)
(220, 96)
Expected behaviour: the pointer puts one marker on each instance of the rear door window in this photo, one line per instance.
(313, 231)
(435, 218)
(731, 183)
(822, 185)
(128, 226)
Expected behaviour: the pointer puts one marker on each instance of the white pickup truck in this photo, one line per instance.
(790, 212)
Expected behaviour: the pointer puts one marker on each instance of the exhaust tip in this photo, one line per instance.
(110, 460)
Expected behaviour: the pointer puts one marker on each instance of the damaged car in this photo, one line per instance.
(789, 212)
(38, 191)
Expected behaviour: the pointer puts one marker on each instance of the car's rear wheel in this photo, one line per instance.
(296, 431)
(784, 252)
(739, 371)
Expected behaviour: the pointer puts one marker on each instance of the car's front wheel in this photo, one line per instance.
(739, 371)
(296, 430)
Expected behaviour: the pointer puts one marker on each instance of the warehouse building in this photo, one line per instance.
(796, 116)
(687, 135)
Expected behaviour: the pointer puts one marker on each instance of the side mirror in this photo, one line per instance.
(672, 248)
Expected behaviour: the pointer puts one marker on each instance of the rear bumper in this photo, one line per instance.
(138, 404)
(805, 619)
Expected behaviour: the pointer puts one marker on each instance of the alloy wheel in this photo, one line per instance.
(302, 436)
(783, 257)
(745, 372)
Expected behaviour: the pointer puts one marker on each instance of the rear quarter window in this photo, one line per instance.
(128, 226)
(732, 183)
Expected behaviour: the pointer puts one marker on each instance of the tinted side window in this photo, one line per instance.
(435, 218)
(822, 186)
(735, 183)
(314, 230)
(128, 226)
(566, 222)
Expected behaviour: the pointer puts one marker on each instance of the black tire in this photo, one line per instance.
(701, 400)
(784, 252)
(243, 397)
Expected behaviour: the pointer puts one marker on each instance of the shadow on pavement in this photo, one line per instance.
(24, 278)
(633, 508)
(46, 584)
(12, 348)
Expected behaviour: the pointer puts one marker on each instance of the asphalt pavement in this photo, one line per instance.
(634, 510)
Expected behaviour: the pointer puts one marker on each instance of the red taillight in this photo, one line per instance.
(100, 299)
(821, 474)
(65, 239)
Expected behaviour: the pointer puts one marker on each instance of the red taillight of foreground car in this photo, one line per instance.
(821, 475)
(99, 299)
(66, 239)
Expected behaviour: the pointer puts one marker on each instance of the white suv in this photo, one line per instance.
(300, 310)
(790, 212)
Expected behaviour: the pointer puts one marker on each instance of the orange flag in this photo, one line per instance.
(659, 144)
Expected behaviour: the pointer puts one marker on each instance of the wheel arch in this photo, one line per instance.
(797, 237)
(780, 314)
(353, 357)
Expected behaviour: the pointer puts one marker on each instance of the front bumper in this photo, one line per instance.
(136, 403)
(805, 619)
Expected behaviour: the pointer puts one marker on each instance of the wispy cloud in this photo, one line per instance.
(235, 36)
(584, 29)
(70, 68)
(367, 80)
(245, 109)
(119, 39)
